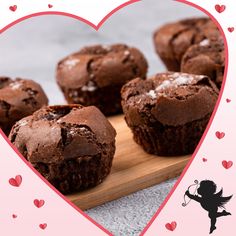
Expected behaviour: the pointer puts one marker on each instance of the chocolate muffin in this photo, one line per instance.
(168, 112)
(18, 98)
(71, 146)
(95, 75)
(172, 40)
(206, 58)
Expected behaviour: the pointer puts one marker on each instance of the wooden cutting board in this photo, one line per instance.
(132, 170)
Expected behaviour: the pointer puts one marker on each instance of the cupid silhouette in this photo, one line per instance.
(210, 200)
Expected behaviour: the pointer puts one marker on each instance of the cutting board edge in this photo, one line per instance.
(85, 204)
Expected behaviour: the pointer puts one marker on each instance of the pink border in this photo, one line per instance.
(96, 27)
(211, 119)
(52, 187)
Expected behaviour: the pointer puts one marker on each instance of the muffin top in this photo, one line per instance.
(99, 66)
(206, 58)
(21, 93)
(172, 40)
(19, 98)
(56, 133)
(171, 98)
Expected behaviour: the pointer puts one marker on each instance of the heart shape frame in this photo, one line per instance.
(18, 176)
(77, 10)
(87, 226)
(207, 161)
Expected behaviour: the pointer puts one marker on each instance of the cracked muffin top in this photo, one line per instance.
(100, 66)
(19, 98)
(171, 98)
(54, 134)
(206, 58)
(173, 40)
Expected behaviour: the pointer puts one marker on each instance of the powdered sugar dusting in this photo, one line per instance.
(172, 81)
(73, 93)
(204, 42)
(91, 75)
(175, 75)
(15, 85)
(59, 121)
(22, 123)
(70, 63)
(152, 94)
(165, 84)
(126, 53)
(183, 80)
(73, 132)
(106, 47)
(90, 87)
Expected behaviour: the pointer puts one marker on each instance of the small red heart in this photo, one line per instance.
(204, 159)
(43, 226)
(14, 216)
(220, 8)
(227, 164)
(171, 226)
(220, 135)
(13, 8)
(16, 182)
(228, 100)
(50, 5)
(39, 203)
(231, 29)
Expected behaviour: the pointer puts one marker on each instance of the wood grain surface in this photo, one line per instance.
(132, 170)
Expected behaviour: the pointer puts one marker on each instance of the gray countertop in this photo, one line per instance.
(32, 48)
